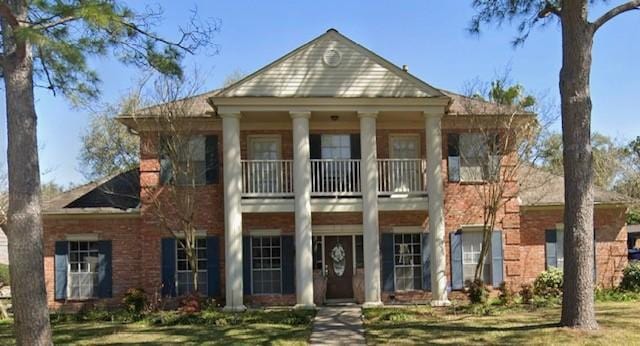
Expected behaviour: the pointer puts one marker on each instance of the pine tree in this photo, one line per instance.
(48, 42)
(577, 43)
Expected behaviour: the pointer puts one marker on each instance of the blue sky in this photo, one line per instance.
(428, 36)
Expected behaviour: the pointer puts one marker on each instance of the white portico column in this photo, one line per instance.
(369, 181)
(302, 192)
(433, 132)
(232, 174)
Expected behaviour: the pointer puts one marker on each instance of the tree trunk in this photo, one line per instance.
(577, 40)
(26, 261)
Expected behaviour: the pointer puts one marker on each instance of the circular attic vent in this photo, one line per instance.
(332, 57)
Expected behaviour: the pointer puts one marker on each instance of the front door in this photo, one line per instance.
(339, 266)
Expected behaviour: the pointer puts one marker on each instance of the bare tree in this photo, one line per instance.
(181, 151)
(578, 32)
(499, 149)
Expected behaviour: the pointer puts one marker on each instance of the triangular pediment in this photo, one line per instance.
(330, 66)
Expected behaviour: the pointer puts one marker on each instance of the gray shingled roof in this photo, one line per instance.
(115, 193)
(541, 188)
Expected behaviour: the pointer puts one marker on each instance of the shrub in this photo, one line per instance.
(616, 295)
(631, 277)
(526, 293)
(191, 303)
(4, 275)
(134, 301)
(478, 292)
(507, 295)
(549, 283)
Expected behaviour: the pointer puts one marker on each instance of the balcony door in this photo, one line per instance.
(266, 169)
(406, 168)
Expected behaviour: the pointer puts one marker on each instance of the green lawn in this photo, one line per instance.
(113, 333)
(619, 325)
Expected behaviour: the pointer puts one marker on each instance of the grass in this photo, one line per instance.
(619, 325)
(266, 327)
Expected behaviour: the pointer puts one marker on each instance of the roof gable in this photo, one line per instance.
(331, 65)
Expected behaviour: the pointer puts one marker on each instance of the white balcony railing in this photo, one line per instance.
(331, 177)
(401, 176)
(267, 178)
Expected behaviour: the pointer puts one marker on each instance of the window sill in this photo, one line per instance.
(80, 300)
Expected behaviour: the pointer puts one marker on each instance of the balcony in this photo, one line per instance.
(333, 178)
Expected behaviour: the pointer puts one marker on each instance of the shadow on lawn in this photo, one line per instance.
(455, 333)
(108, 333)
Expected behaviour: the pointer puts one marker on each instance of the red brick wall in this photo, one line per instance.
(611, 237)
(125, 242)
(139, 239)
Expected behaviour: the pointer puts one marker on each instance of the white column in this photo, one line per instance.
(302, 205)
(433, 132)
(369, 181)
(232, 174)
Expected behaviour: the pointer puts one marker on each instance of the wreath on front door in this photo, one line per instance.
(338, 257)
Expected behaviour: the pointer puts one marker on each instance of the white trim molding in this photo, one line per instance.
(82, 237)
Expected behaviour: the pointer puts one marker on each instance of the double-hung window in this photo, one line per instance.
(83, 270)
(473, 156)
(407, 261)
(471, 249)
(191, 163)
(266, 265)
(184, 272)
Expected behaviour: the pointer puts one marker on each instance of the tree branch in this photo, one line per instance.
(549, 9)
(628, 6)
(60, 21)
(7, 14)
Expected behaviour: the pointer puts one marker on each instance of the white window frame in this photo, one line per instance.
(341, 147)
(272, 235)
(200, 178)
(465, 262)
(413, 266)
(396, 136)
(203, 272)
(71, 274)
(475, 169)
(263, 138)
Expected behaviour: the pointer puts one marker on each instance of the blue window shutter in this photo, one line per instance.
(166, 173)
(426, 267)
(213, 266)
(288, 264)
(315, 146)
(595, 259)
(550, 238)
(388, 275)
(246, 264)
(456, 260)
(497, 265)
(105, 276)
(355, 146)
(211, 159)
(61, 261)
(168, 247)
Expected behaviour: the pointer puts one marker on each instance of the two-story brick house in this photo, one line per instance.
(330, 173)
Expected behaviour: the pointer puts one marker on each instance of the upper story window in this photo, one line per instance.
(196, 160)
(473, 157)
(336, 146)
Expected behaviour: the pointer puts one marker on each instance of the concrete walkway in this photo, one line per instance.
(338, 325)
